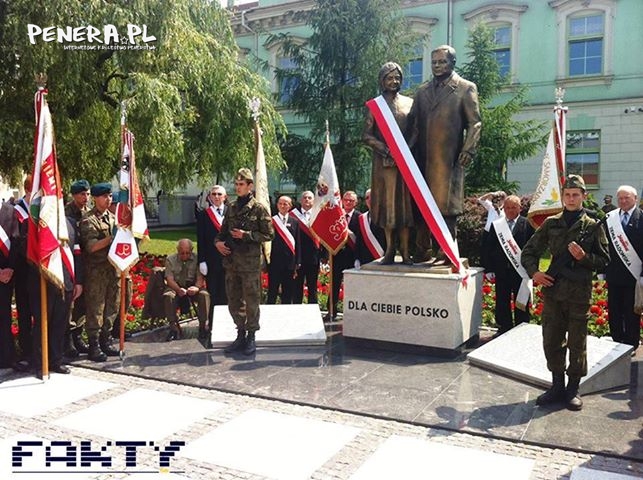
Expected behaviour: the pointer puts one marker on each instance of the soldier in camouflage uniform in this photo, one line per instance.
(577, 247)
(246, 226)
(102, 286)
(74, 211)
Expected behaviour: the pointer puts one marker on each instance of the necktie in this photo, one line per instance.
(511, 224)
(219, 210)
(348, 217)
(626, 217)
(284, 219)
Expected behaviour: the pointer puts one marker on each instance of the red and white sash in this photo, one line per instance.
(303, 226)
(622, 245)
(369, 237)
(512, 252)
(284, 233)
(215, 217)
(415, 180)
(21, 211)
(5, 242)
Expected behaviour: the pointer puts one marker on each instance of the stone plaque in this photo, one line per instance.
(280, 325)
(408, 306)
(519, 353)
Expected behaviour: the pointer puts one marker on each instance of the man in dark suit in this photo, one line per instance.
(345, 258)
(621, 280)
(309, 253)
(494, 260)
(371, 239)
(283, 254)
(8, 252)
(208, 227)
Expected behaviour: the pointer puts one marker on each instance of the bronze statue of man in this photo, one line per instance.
(444, 132)
(391, 207)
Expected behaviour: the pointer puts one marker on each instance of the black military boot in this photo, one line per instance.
(238, 344)
(572, 397)
(70, 350)
(79, 343)
(251, 346)
(556, 393)
(95, 353)
(106, 346)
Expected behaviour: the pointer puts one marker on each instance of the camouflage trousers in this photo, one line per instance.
(565, 328)
(102, 299)
(172, 301)
(244, 295)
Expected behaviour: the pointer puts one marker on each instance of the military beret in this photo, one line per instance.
(79, 186)
(574, 181)
(99, 189)
(245, 174)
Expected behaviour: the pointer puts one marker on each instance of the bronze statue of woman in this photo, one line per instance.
(391, 207)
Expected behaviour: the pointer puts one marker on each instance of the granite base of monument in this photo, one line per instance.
(519, 354)
(281, 325)
(412, 305)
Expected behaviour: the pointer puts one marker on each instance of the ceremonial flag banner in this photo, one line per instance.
(130, 211)
(48, 238)
(261, 183)
(327, 215)
(415, 180)
(546, 200)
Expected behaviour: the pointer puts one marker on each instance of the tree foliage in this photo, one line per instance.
(503, 138)
(187, 100)
(337, 72)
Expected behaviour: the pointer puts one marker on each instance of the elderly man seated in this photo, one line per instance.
(184, 285)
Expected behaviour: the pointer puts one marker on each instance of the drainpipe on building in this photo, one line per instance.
(256, 34)
(450, 22)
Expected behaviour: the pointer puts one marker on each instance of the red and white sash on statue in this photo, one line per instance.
(5, 242)
(512, 252)
(414, 180)
(284, 233)
(215, 217)
(622, 245)
(303, 226)
(369, 237)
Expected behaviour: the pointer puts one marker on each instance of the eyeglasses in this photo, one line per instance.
(216, 194)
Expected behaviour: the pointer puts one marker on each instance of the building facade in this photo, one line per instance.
(587, 47)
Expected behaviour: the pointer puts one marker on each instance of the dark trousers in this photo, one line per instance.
(25, 326)
(624, 324)
(507, 285)
(308, 273)
(338, 277)
(215, 280)
(280, 277)
(58, 305)
(7, 345)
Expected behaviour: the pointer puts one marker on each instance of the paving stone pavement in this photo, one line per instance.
(372, 433)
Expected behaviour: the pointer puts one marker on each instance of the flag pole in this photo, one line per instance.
(331, 303)
(121, 333)
(261, 175)
(44, 328)
(41, 81)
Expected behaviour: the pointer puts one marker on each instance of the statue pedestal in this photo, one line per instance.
(400, 305)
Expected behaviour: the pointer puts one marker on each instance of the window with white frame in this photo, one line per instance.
(413, 69)
(502, 48)
(585, 44)
(504, 21)
(286, 85)
(582, 156)
(585, 37)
